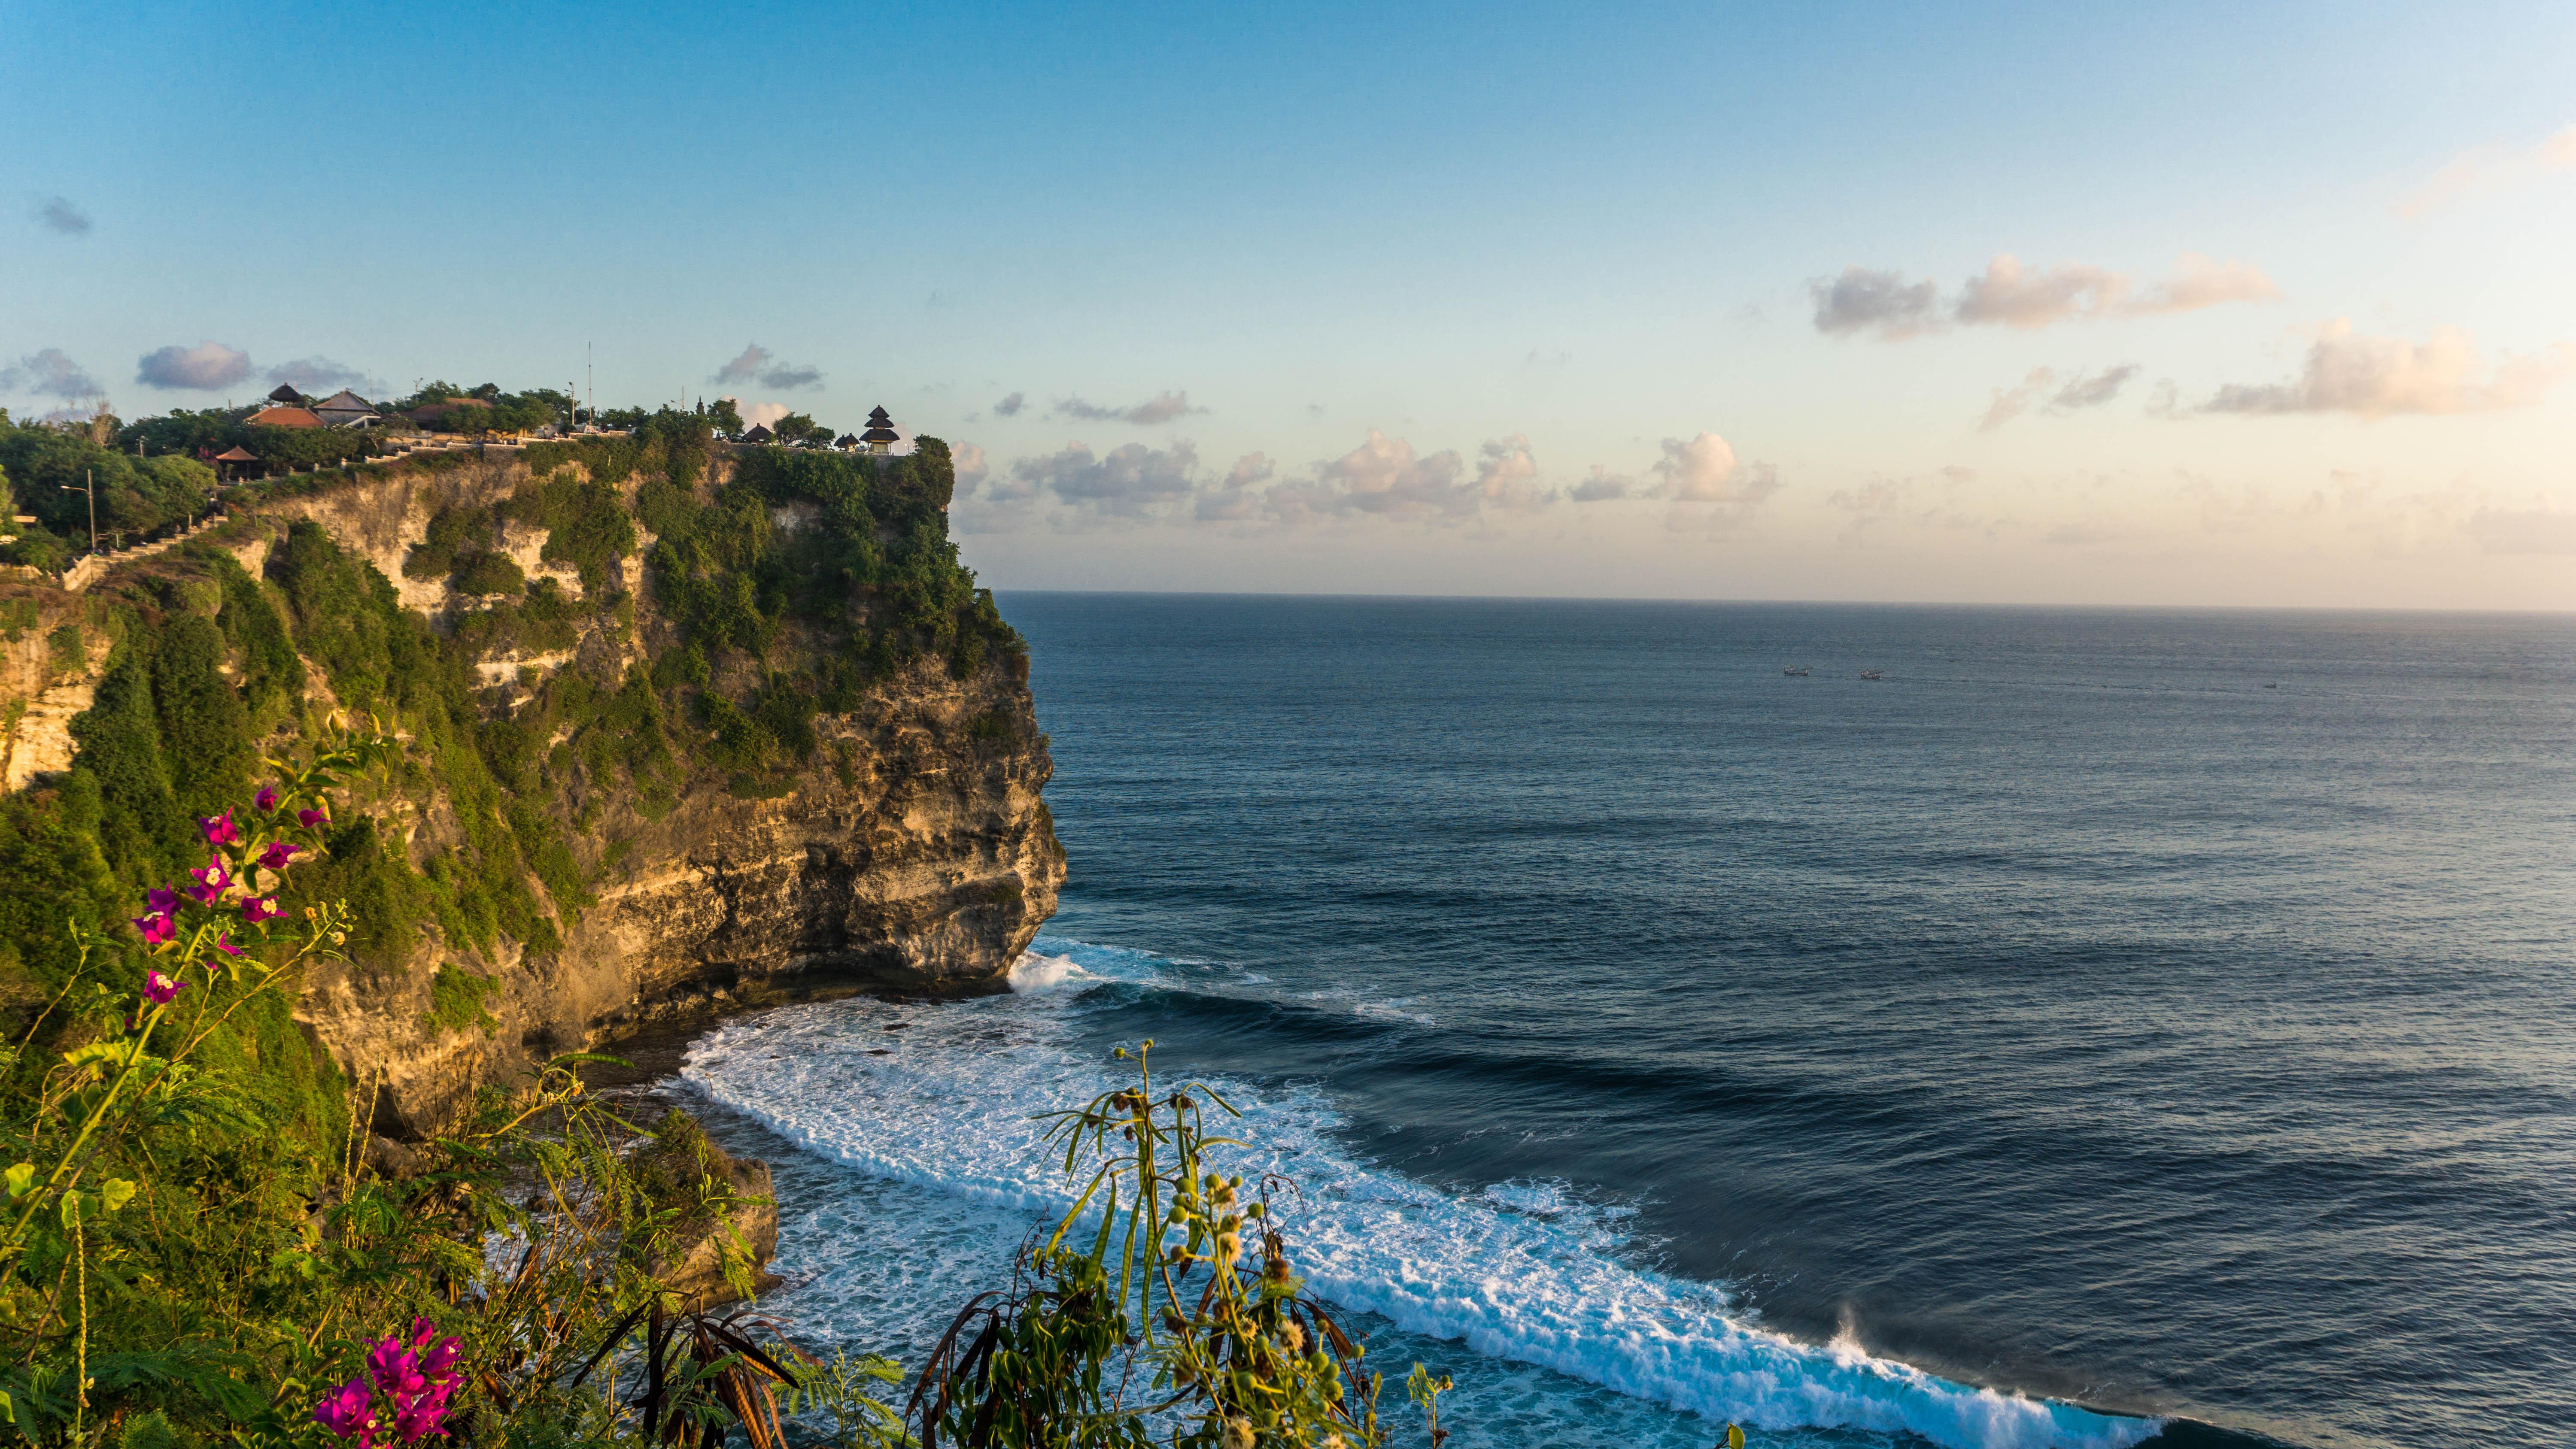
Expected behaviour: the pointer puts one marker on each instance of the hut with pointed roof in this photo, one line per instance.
(235, 457)
(345, 409)
(846, 441)
(760, 433)
(880, 436)
(286, 396)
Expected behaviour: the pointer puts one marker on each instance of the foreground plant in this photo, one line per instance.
(1181, 1321)
(211, 948)
(163, 1167)
(404, 1395)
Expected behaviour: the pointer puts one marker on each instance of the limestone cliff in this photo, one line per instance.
(897, 840)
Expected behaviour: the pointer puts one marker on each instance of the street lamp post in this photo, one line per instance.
(89, 492)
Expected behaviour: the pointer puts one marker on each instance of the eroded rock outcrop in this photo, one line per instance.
(908, 848)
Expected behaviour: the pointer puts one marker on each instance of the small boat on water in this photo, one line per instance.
(1870, 674)
(1798, 673)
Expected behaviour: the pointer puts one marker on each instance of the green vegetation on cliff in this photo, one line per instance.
(792, 584)
(210, 1232)
(48, 468)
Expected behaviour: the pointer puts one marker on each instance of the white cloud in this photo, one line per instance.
(2011, 403)
(2484, 169)
(1862, 300)
(202, 368)
(315, 376)
(1130, 482)
(1235, 500)
(2378, 376)
(2011, 293)
(1705, 470)
(972, 467)
(759, 415)
(759, 364)
(2092, 390)
(60, 215)
(50, 373)
(1602, 486)
(1507, 476)
(1383, 476)
(2199, 281)
(2083, 390)
(1161, 408)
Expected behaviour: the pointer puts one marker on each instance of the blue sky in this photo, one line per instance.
(1411, 299)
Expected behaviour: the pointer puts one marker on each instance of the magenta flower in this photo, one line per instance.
(211, 879)
(441, 1360)
(156, 928)
(310, 818)
(161, 900)
(220, 829)
(278, 854)
(409, 1383)
(224, 943)
(160, 990)
(261, 908)
(267, 800)
(345, 1411)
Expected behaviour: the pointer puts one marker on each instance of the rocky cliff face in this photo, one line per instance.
(910, 849)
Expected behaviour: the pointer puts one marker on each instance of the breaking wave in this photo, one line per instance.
(941, 1099)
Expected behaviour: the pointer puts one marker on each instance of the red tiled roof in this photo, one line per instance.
(285, 418)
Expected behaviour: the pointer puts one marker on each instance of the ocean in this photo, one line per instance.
(2103, 1024)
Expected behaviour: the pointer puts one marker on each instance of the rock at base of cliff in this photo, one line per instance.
(684, 1168)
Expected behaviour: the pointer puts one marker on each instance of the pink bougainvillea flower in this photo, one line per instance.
(161, 900)
(278, 854)
(310, 818)
(345, 1411)
(224, 943)
(210, 880)
(407, 1388)
(160, 990)
(220, 829)
(396, 1371)
(156, 928)
(266, 800)
(440, 1361)
(261, 908)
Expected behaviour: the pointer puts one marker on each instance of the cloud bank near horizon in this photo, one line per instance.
(2377, 377)
(1384, 477)
(2011, 293)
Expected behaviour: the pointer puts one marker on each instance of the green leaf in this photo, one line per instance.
(116, 1192)
(19, 1178)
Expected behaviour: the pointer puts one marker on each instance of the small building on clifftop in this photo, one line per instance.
(880, 436)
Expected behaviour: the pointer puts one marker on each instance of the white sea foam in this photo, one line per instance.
(1522, 1271)
(1034, 972)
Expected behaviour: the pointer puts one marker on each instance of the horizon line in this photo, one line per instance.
(2452, 609)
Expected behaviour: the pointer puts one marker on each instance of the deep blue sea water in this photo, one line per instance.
(2107, 1018)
